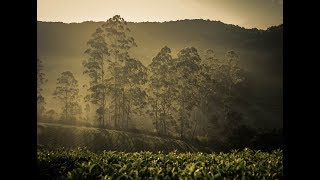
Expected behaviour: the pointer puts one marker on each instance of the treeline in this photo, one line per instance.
(177, 94)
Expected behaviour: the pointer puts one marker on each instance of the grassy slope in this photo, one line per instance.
(57, 135)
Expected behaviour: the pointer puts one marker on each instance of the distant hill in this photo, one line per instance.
(61, 47)
(70, 39)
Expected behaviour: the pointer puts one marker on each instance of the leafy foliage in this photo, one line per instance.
(67, 92)
(162, 90)
(188, 70)
(83, 164)
(95, 68)
(115, 77)
(41, 79)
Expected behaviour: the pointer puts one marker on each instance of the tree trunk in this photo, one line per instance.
(115, 103)
(182, 119)
(103, 117)
(182, 116)
(104, 92)
(164, 120)
(115, 111)
(66, 105)
(116, 99)
(123, 109)
(128, 116)
(157, 128)
(103, 109)
(164, 127)
(196, 123)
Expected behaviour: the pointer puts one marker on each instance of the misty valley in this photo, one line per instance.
(187, 99)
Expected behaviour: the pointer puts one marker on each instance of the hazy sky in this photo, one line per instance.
(246, 13)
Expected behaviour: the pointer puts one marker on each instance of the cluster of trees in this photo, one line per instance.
(116, 78)
(168, 90)
(66, 92)
(175, 93)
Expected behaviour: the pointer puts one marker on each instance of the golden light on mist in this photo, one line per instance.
(246, 13)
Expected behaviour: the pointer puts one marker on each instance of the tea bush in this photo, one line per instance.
(83, 164)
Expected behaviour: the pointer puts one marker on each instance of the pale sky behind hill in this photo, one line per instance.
(259, 14)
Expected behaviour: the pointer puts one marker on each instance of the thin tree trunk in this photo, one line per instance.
(103, 116)
(104, 92)
(66, 105)
(196, 123)
(157, 128)
(182, 117)
(115, 111)
(116, 95)
(164, 120)
(123, 109)
(115, 102)
(128, 116)
(103, 110)
(182, 120)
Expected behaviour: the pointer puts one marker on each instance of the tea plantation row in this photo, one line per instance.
(83, 164)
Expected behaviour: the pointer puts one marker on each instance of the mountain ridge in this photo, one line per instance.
(216, 21)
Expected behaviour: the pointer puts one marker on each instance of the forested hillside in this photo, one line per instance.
(200, 81)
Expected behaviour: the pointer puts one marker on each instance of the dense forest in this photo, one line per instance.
(204, 82)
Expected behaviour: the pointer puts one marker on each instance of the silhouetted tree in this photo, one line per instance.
(133, 95)
(235, 75)
(119, 43)
(205, 90)
(67, 92)
(208, 81)
(162, 90)
(228, 77)
(96, 68)
(188, 70)
(114, 75)
(41, 79)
